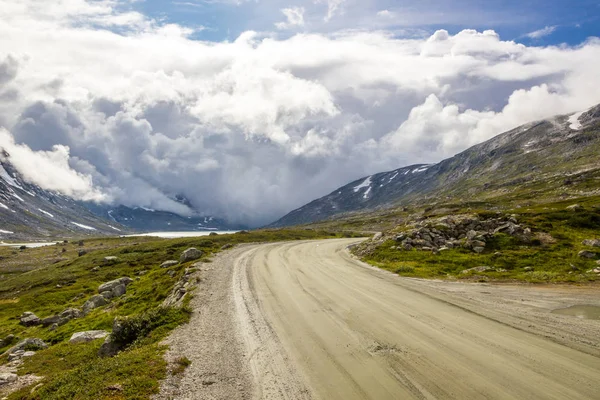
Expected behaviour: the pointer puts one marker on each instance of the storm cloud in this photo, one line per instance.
(250, 129)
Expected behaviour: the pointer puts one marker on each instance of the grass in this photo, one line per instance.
(47, 280)
(180, 365)
(552, 256)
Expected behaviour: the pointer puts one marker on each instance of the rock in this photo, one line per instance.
(29, 319)
(119, 290)
(82, 253)
(46, 322)
(53, 327)
(596, 270)
(407, 246)
(226, 246)
(501, 270)
(476, 269)
(88, 336)
(213, 234)
(478, 249)
(67, 315)
(95, 269)
(94, 302)
(443, 248)
(478, 243)
(591, 242)
(528, 269)
(81, 243)
(586, 254)
(377, 236)
(190, 254)
(23, 247)
(110, 286)
(7, 377)
(110, 260)
(471, 235)
(171, 273)
(575, 207)
(28, 354)
(169, 264)
(28, 344)
(598, 262)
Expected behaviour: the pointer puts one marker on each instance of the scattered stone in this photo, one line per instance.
(115, 388)
(64, 250)
(29, 319)
(27, 344)
(116, 288)
(94, 302)
(169, 264)
(226, 246)
(7, 377)
(53, 327)
(110, 260)
(501, 270)
(528, 269)
(88, 336)
(95, 269)
(575, 207)
(171, 273)
(377, 236)
(591, 242)
(586, 254)
(190, 254)
(81, 243)
(598, 262)
(110, 348)
(141, 273)
(28, 354)
(476, 269)
(82, 253)
(478, 249)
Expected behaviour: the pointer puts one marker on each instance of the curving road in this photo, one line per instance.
(318, 324)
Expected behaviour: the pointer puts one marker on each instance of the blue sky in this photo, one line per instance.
(569, 22)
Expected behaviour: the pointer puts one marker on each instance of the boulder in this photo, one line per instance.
(29, 319)
(190, 254)
(377, 236)
(82, 253)
(575, 207)
(70, 313)
(7, 377)
(115, 288)
(110, 260)
(46, 322)
(94, 302)
(110, 347)
(586, 254)
(591, 242)
(88, 336)
(169, 264)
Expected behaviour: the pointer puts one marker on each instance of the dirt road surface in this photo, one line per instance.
(317, 324)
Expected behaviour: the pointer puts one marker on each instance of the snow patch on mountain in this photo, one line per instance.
(89, 228)
(8, 179)
(46, 212)
(574, 121)
(6, 232)
(364, 184)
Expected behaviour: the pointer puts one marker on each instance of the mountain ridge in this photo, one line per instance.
(538, 151)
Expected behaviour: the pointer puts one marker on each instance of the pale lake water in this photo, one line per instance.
(582, 311)
(176, 235)
(164, 235)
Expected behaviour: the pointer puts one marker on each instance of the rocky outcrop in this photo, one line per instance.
(29, 319)
(88, 336)
(439, 234)
(169, 264)
(190, 254)
(181, 288)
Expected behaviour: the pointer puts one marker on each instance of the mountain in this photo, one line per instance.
(145, 219)
(556, 157)
(30, 212)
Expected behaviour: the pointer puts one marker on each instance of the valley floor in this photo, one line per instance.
(304, 320)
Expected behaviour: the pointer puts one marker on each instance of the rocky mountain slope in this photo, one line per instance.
(556, 157)
(30, 212)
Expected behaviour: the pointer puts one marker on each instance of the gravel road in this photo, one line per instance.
(305, 320)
